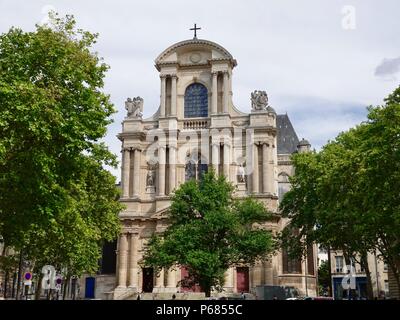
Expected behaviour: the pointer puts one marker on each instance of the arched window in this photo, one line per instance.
(196, 101)
(196, 166)
(283, 184)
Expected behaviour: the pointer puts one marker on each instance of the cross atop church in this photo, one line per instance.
(195, 30)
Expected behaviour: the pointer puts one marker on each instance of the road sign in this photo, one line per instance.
(58, 283)
(28, 276)
(27, 282)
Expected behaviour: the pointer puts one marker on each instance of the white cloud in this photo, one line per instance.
(298, 52)
(388, 68)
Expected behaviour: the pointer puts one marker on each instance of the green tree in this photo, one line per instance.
(57, 202)
(209, 231)
(346, 196)
(324, 278)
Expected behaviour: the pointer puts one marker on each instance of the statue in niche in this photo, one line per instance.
(151, 175)
(134, 107)
(259, 100)
(241, 176)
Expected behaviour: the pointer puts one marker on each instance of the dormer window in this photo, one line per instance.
(196, 101)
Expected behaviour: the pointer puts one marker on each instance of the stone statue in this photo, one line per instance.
(151, 175)
(259, 100)
(134, 107)
(241, 177)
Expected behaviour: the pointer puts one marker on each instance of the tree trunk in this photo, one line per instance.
(38, 287)
(66, 286)
(19, 275)
(6, 276)
(207, 291)
(365, 266)
(13, 286)
(330, 272)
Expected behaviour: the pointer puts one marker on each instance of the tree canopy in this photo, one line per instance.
(209, 231)
(347, 195)
(57, 202)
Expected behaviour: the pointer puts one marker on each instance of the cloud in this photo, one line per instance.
(388, 68)
(320, 120)
(313, 69)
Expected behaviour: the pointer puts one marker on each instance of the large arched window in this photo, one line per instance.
(196, 101)
(283, 184)
(196, 166)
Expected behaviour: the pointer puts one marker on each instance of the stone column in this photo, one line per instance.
(161, 170)
(256, 275)
(160, 280)
(133, 261)
(265, 173)
(173, 95)
(226, 160)
(136, 172)
(226, 92)
(255, 169)
(125, 172)
(172, 168)
(215, 157)
(163, 96)
(229, 279)
(123, 260)
(270, 168)
(268, 277)
(171, 279)
(214, 101)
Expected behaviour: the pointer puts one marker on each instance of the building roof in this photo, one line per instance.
(304, 142)
(287, 139)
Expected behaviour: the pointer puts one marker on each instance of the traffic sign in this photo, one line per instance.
(28, 276)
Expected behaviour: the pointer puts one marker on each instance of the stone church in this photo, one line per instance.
(198, 126)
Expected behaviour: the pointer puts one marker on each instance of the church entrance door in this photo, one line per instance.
(148, 276)
(194, 288)
(242, 276)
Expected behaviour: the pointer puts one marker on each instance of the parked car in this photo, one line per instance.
(317, 298)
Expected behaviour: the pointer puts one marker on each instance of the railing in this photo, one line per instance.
(195, 124)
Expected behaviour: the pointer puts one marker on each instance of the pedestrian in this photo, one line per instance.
(242, 296)
(138, 296)
(173, 296)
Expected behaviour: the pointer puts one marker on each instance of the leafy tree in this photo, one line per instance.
(209, 232)
(346, 197)
(57, 202)
(324, 278)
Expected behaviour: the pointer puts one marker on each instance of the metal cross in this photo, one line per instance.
(195, 31)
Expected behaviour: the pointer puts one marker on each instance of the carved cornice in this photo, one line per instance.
(133, 135)
(131, 149)
(168, 75)
(285, 163)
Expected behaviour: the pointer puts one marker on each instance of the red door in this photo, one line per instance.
(242, 279)
(194, 288)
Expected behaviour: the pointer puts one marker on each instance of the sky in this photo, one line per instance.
(322, 62)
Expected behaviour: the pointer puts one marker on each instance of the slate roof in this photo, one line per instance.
(287, 139)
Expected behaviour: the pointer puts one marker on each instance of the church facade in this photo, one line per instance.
(197, 126)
